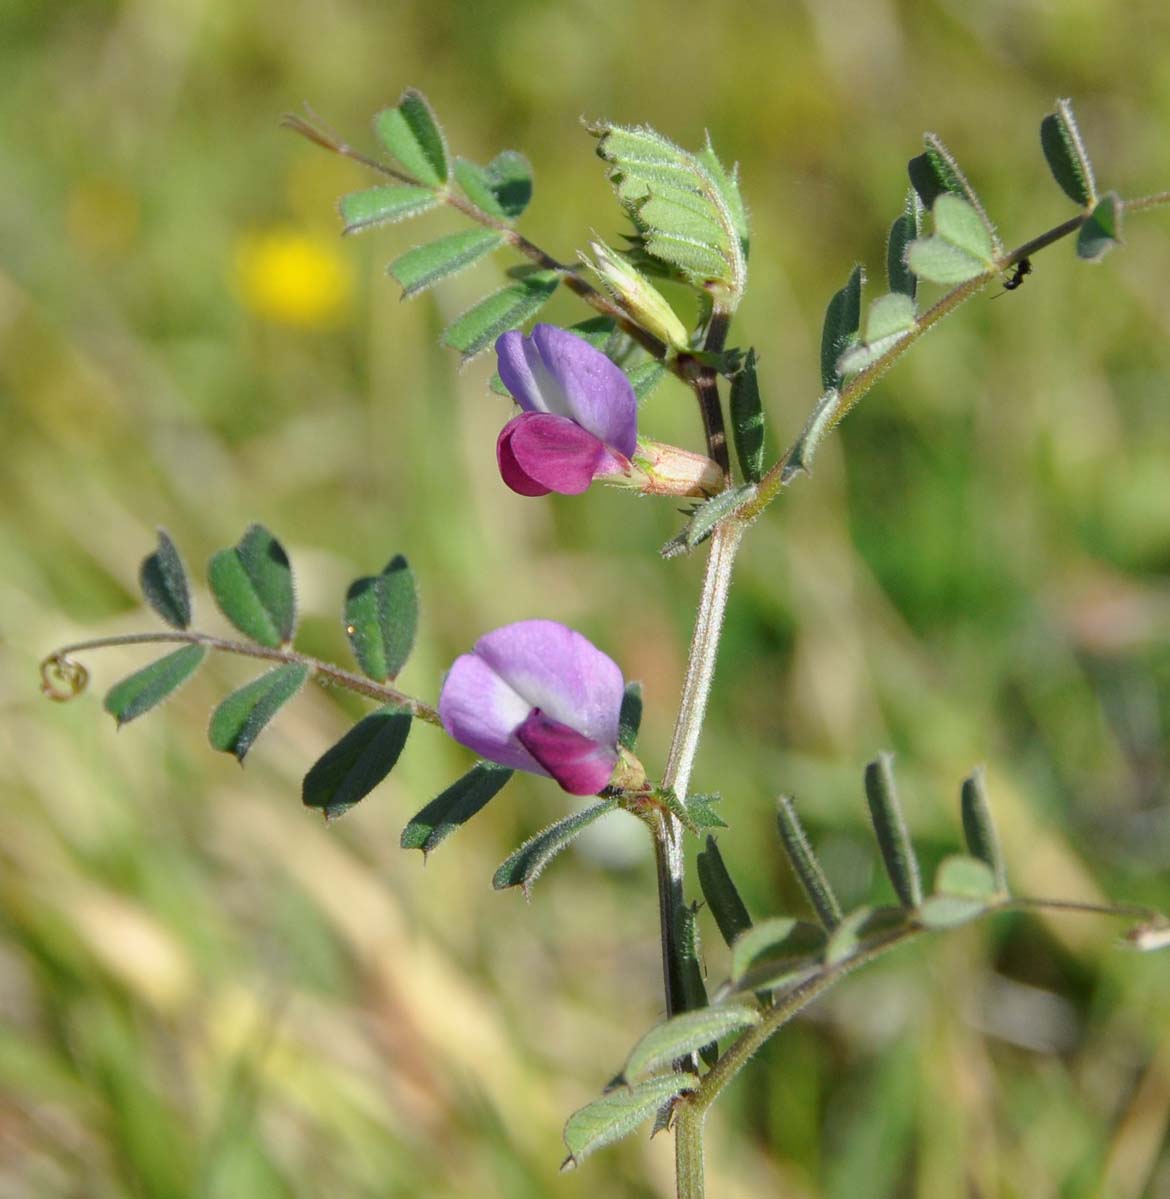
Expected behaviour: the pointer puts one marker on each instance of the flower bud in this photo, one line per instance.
(660, 469)
(638, 296)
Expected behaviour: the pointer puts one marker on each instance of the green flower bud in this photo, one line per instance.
(638, 296)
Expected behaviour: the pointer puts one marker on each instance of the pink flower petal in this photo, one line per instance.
(580, 765)
(539, 450)
(510, 470)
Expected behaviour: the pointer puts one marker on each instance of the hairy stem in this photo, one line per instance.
(59, 665)
(688, 1151)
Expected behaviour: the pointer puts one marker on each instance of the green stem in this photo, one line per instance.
(688, 1150)
(74, 676)
(668, 840)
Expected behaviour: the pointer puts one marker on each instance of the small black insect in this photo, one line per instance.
(1019, 271)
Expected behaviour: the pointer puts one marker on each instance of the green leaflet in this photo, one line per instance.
(429, 827)
(890, 826)
(1102, 230)
(905, 229)
(146, 688)
(244, 715)
(618, 1113)
(685, 1034)
(860, 929)
(645, 377)
(806, 865)
(412, 134)
(164, 583)
(721, 893)
(426, 265)
(508, 308)
(252, 583)
(630, 716)
(937, 261)
(349, 770)
(820, 421)
(384, 206)
(889, 319)
(842, 321)
(381, 617)
(1065, 153)
(955, 221)
(705, 517)
(747, 420)
(777, 938)
(524, 867)
(502, 189)
(979, 828)
(961, 248)
(965, 877)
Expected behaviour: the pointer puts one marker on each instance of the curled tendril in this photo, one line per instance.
(62, 679)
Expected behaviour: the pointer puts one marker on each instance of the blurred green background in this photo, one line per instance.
(203, 991)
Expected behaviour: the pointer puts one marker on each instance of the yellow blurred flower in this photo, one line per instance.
(293, 278)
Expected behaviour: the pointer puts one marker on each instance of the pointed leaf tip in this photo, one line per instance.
(253, 585)
(163, 580)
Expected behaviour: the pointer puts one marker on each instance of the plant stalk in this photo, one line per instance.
(62, 678)
(688, 1150)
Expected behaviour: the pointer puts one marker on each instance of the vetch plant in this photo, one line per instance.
(537, 696)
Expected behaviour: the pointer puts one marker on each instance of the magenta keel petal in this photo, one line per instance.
(538, 449)
(579, 764)
(511, 471)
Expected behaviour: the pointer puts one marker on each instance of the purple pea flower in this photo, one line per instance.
(580, 418)
(538, 696)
